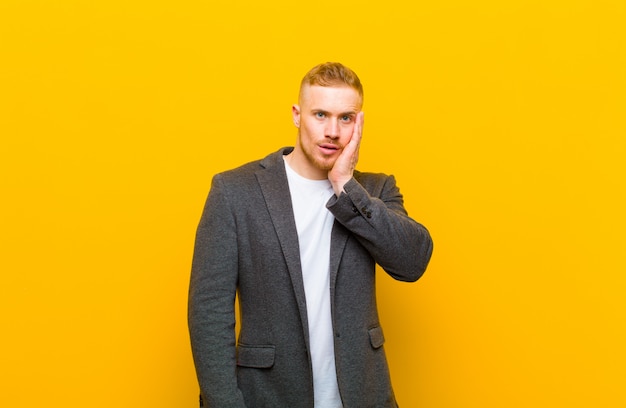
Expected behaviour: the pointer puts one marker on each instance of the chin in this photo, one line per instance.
(320, 162)
(325, 165)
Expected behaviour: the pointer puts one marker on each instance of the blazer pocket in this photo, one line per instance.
(376, 337)
(255, 356)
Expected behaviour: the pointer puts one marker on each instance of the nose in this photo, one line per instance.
(332, 129)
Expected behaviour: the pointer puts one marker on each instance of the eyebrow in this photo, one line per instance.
(348, 113)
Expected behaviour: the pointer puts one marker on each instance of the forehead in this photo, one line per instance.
(330, 98)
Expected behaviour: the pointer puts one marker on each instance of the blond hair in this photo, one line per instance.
(332, 74)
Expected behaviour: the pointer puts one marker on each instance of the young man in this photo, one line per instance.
(298, 235)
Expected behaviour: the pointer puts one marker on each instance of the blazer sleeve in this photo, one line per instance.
(379, 221)
(211, 308)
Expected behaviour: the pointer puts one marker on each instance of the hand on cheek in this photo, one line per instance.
(343, 168)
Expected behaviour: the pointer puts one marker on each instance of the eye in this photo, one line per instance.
(319, 114)
(346, 118)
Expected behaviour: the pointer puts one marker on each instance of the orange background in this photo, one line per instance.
(504, 123)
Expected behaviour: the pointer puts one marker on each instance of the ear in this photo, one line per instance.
(295, 112)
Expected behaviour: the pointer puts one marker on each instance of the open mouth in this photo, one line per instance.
(328, 148)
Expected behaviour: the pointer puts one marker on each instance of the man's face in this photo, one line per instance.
(325, 119)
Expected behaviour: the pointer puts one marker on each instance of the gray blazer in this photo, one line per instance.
(247, 243)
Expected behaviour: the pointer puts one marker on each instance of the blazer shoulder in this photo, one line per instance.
(251, 168)
(374, 182)
(242, 171)
(369, 176)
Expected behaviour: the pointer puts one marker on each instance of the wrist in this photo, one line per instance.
(339, 184)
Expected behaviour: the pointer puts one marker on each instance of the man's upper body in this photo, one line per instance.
(253, 239)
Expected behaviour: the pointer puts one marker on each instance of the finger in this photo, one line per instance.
(357, 132)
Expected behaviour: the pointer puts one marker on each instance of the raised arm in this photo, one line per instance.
(373, 210)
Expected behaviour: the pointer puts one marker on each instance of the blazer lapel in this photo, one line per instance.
(272, 179)
(338, 239)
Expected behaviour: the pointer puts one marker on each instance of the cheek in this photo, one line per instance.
(346, 132)
(310, 130)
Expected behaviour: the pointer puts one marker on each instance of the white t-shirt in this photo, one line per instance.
(314, 224)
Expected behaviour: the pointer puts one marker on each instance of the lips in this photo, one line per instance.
(329, 148)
